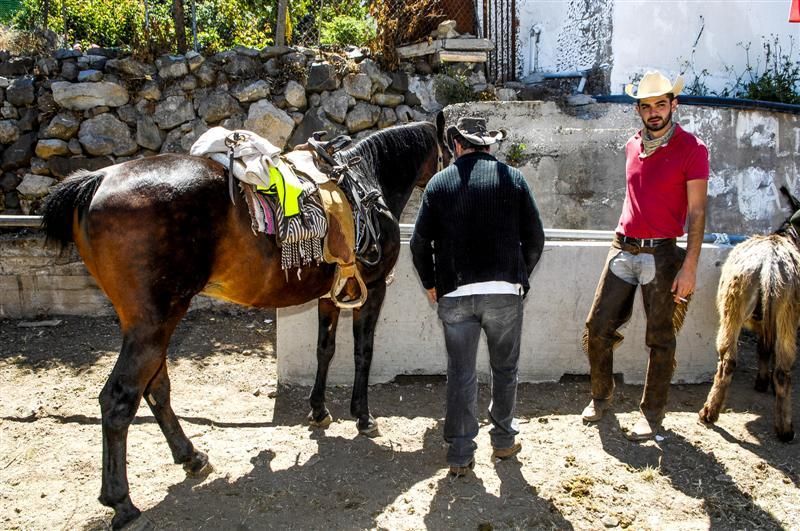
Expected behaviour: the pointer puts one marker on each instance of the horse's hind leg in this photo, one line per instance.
(727, 338)
(364, 321)
(328, 315)
(765, 352)
(785, 352)
(157, 396)
(138, 362)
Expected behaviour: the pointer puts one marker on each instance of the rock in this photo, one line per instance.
(46, 66)
(148, 135)
(16, 66)
(336, 105)
(69, 71)
(446, 29)
(322, 76)
(179, 141)
(110, 53)
(272, 67)
(217, 106)
(63, 166)
(19, 154)
(173, 111)
(404, 113)
(93, 62)
(234, 122)
(8, 111)
(610, 521)
(4, 82)
(314, 100)
(96, 111)
(194, 60)
(130, 67)
(577, 100)
(39, 166)
(387, 118)
(422, 67)
(363, 116)
(506, 94)
(28, 120)
(358, 85)
(106, 135)
(75, 146)
(246, 51)
(90, 75)
(388, 99)
(268, 121)
(241, 66)
(51, 147)
(295, 95)
(9, 181)
(9, 132)
(20, 92)
(425, 90)
(64, 125)
(128, 114)
(206, 74)
(82, 96)
(399, 82)
(314, 120)
(297, 117)
(171, 66)
(46, 104)
(150, 91)
(274, 51)
(293, 60)
(33, 186)
(66, 53)
(380, 80)
(411, 99)
(189, 83)
(247, 92)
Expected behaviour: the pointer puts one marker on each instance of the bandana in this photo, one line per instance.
(652, 144)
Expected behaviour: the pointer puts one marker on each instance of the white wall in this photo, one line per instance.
(647, 34)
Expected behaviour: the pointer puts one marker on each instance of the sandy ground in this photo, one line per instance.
(272, 471)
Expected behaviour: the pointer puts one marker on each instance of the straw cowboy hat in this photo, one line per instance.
(474, 131)
(653, 84)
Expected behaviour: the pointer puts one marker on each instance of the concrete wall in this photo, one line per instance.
(630, 37)
(574, 163)
(409, 336)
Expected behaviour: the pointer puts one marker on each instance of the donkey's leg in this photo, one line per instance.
(727, 338)
(328, 315)
(785, 352)
(364, 321)
(139, 360)
(157, 396)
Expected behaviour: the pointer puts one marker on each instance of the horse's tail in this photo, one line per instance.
(73, 193)
(773, 290)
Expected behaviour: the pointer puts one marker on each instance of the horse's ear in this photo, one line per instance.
(440, 126)
(792, 199)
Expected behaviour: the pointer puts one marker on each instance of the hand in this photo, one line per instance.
(431, 293)
(684, 284)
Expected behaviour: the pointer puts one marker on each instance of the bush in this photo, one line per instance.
(345, 29)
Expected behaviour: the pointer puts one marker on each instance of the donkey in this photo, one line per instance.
(760, 289)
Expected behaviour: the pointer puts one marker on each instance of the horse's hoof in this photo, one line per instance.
(126, 514)
(323, 423)
(198, 466)
(707, 416)
(368, 428)
(785, 436)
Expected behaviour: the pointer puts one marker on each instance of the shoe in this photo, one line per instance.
(643, 430)
(461, 471)
(595, 410)
(506, 453)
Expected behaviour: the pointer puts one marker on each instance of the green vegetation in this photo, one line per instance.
(515, 155)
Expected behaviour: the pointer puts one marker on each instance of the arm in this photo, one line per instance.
(531, 230)
(685, 281)
(422, 250)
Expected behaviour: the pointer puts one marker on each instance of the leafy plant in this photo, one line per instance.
(516, 154)
(344, 29)
(780, 79)
(452, 87)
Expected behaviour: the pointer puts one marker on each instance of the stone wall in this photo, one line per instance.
(76, 110)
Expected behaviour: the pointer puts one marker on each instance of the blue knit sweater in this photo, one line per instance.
(478, 222)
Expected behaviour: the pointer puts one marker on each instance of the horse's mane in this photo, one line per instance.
(392, 153)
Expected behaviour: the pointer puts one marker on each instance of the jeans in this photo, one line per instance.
(613, 306)
(463, 318)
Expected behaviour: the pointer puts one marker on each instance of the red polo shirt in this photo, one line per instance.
(655, 199)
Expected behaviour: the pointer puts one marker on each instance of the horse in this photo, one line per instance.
(759, 289)
(156, 231)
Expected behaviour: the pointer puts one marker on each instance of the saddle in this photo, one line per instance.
(310, 206)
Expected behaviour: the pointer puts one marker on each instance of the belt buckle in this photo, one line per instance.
(635, 248)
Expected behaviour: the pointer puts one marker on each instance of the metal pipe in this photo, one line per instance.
(714, 101)
(34, 222)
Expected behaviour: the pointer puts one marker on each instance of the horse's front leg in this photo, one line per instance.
(328, 316)
(157, 396)
(364, 321)
(119, 400)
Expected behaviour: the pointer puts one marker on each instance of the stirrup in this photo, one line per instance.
(340, 281)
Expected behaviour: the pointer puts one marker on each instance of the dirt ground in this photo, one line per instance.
(272, 471)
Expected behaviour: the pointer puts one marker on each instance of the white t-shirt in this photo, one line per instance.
(492, 287)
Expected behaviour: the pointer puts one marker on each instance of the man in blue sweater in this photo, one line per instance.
(476, 241)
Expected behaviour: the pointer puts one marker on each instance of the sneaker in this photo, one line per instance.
(461, 471)
(643, 430)
(595, 410)
(506, 453)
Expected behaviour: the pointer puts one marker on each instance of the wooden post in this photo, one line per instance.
(180, 26)
(280, 25)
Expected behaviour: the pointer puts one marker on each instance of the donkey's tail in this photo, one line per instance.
(72, 194)
(773, 290)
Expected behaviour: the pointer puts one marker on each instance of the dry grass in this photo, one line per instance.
(21, 42)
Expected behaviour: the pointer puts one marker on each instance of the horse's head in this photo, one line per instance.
(438, 160)
(793, 221)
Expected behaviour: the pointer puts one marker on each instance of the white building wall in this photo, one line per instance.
(648, 34)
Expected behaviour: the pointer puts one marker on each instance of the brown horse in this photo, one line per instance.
(759, 289)
(155, 232)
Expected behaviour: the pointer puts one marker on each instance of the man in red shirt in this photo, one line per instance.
(666, 172)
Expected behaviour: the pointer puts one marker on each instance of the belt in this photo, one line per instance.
(639, 245)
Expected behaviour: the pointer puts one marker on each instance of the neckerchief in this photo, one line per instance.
(652, 144)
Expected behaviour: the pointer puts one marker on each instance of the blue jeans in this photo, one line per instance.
(463, 318)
